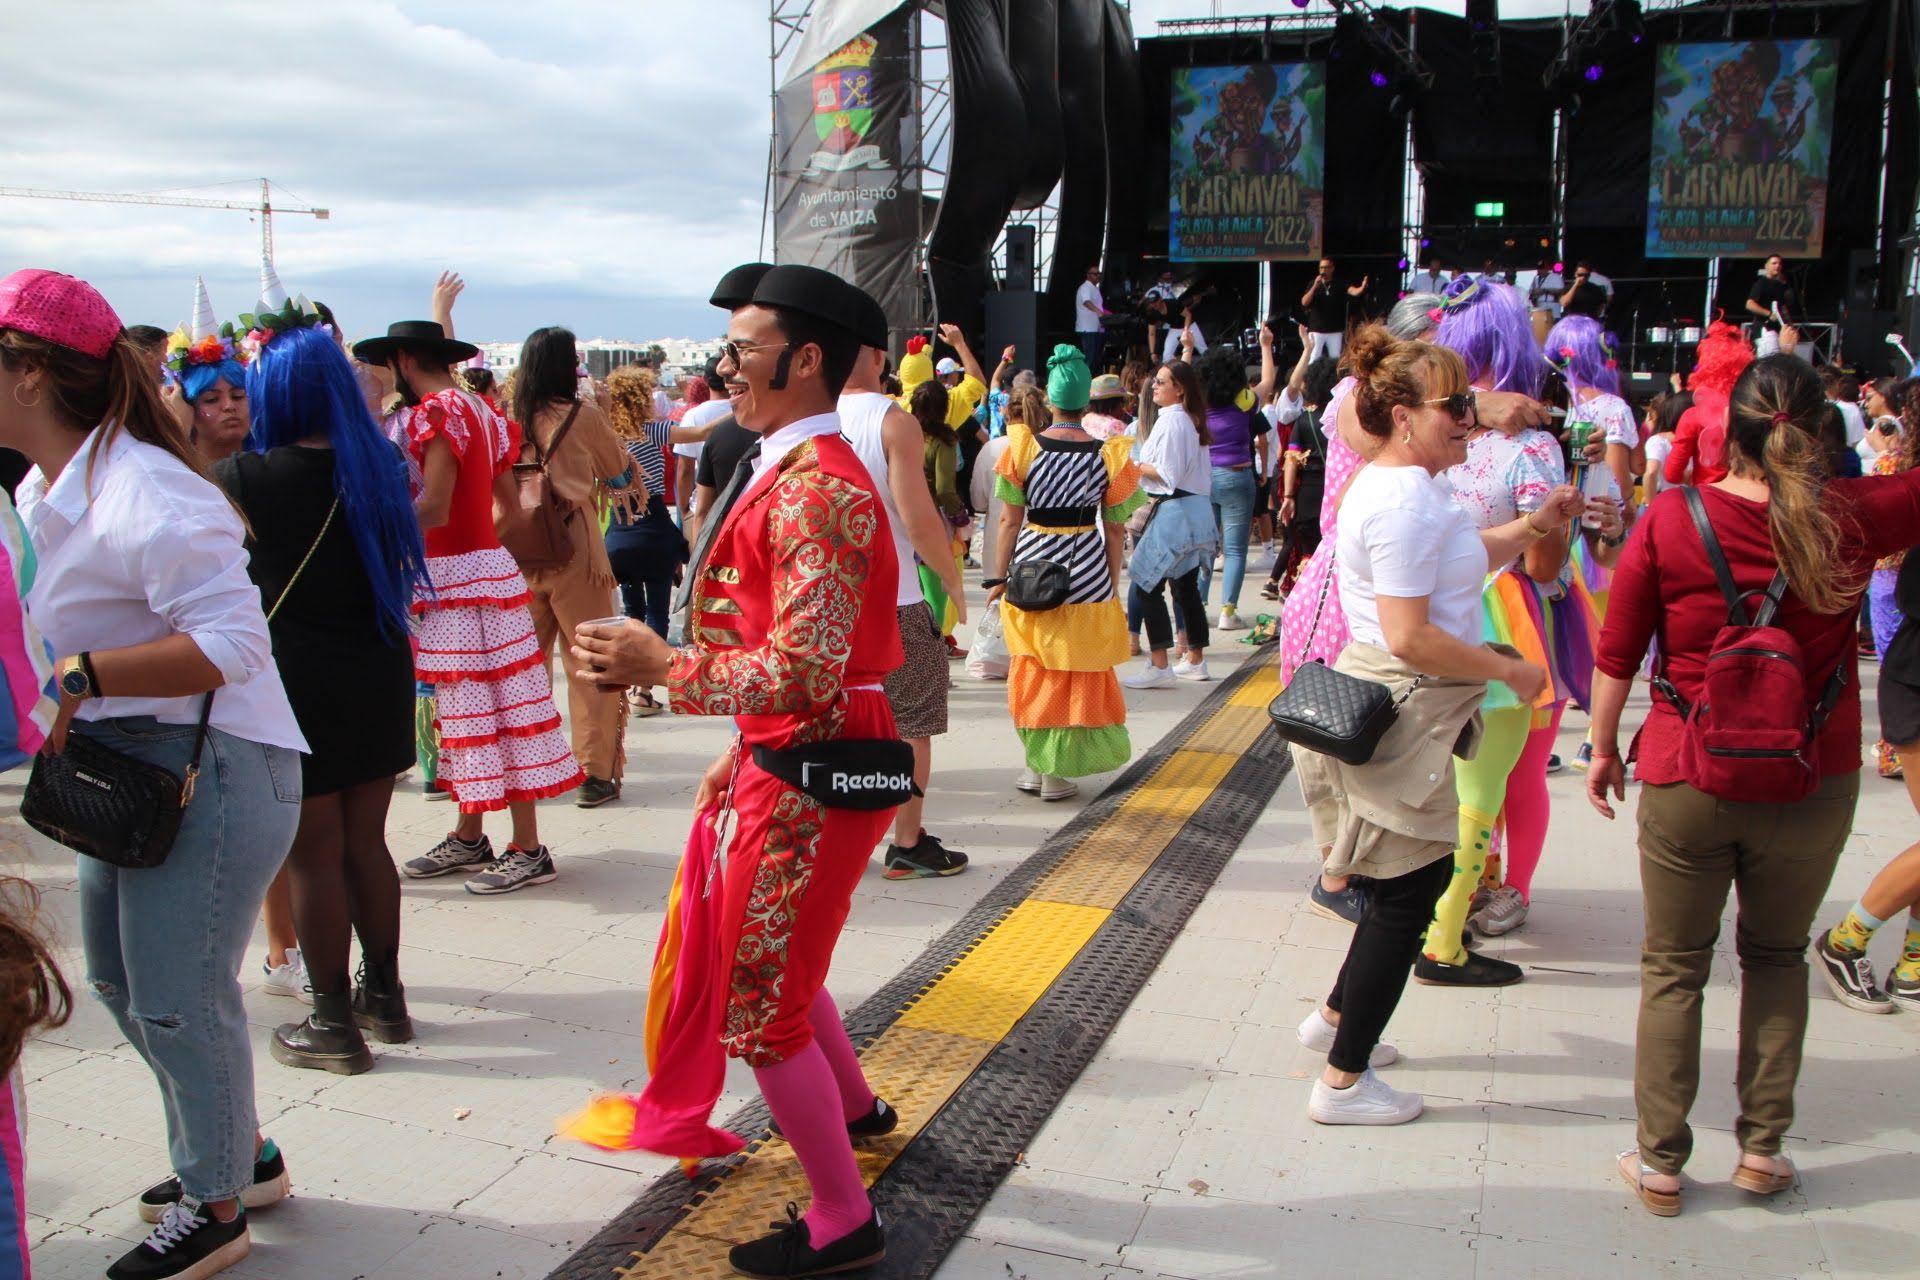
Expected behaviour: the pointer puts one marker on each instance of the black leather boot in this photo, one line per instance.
(327, 1040)
(380, 1002)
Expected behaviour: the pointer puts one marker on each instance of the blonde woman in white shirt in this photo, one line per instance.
(142, 590)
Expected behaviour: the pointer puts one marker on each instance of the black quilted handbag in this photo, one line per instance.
(107, 804)
(1036, 586)
(1330, 711)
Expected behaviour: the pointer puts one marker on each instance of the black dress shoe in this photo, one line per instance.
(787, 1253)
(877, 1123)
(1475, 971)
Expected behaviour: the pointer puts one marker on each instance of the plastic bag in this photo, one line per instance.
(988, 659)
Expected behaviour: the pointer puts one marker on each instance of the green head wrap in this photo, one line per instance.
(1069, 382)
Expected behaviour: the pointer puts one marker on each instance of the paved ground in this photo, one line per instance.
(1183, 1151)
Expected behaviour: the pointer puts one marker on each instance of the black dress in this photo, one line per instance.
(1900, 664)
(348, 675)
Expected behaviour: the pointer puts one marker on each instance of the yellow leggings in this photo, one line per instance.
(1482, 784)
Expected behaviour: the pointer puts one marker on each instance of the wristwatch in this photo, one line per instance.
(76, 677)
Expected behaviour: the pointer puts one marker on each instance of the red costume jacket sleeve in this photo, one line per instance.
(821, 534)
(1686, 438)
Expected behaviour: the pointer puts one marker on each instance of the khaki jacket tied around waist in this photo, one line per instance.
(1398, 812)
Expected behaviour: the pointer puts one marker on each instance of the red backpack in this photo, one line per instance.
(1751, 737)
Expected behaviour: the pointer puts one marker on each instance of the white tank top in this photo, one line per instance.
(861, 416)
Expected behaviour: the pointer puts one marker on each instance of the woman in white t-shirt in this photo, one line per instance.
(1583, 352)
(1663, 416)
(1412, 566)
(1180, 534)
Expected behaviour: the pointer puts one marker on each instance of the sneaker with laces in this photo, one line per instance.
(515, 869)
(595, 792)
(289, 979)
(1317, 1034)
(1055, 788)
(1194, 671)
(1149, 677)
(1850, 974)
(1028, 781)
(1345, 905)
(1503, 912)
(1368, 1100)
(1555, 765)
(269, 1186)
(1230, 620)
(788, 1252)
(1904, 989)
(450, 855)
(925, 857)
(1583, 758)
(187, 1244)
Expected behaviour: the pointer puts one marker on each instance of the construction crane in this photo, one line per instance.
(265, 207)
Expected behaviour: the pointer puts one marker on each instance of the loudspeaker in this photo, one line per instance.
(1020, 244)
(1863, 344)
(1013, 318)
(1863, 279)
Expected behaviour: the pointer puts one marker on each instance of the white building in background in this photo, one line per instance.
(603, 355)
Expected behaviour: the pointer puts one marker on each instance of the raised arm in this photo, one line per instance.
(446, 290)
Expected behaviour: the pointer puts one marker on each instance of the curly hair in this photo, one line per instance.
(1723, 355)
(630, 400)
(32, 992)
(1222, 375)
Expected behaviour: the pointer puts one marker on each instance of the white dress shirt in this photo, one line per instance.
(778, 443)
(1173, 449)
(1087, 306)
(143, 549)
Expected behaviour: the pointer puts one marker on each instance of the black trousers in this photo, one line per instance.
(1153, 610)
(1385, 944)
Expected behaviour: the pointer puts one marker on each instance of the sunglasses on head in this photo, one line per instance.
(1458, 405)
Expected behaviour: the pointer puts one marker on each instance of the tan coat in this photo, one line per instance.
(590, 454)
(1398, 812)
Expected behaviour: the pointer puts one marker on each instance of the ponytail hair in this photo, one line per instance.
(928, 404)
(1773, 425)
(1392, 373)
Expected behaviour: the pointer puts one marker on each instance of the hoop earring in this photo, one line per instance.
(24, 404)
(1407, 438)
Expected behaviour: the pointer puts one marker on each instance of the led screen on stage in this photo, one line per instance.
(1248, 177)
(1741, 137)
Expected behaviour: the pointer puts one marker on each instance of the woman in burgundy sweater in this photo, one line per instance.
(1775, 510)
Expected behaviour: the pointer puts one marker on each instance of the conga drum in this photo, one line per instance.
(1542, 325)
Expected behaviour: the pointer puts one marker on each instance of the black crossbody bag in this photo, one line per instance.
(1331, 712)
(112, 806)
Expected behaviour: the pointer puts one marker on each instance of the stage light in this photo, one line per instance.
(1637, 37)
(1490, 209)
(1559, 267)
(1545, 243)
(1594, 71)
(1301, 4)
(1424, 242)
(1402, 265)
(1378, 79)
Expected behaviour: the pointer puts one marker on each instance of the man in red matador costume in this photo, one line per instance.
(791, 618)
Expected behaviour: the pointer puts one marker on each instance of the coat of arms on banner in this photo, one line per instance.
(843, 109)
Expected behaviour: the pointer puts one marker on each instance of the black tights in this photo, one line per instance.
(1385, 944)
(344, 881)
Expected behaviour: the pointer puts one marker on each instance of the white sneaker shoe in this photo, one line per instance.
(289, 979)
(1368, 1100)
(1052, 788)
(1230, 620)
(1192, 670)
(1149, 677)
(1028, 781)
(1317, 1034)
(1504, 911)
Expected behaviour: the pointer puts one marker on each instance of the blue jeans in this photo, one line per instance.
(164, 944)
(1092, 344)
(1233, 499)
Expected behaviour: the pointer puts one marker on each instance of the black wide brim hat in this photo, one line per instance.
(809, 291)
(416, 335)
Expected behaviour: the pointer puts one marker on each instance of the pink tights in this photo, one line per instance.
(797, 1090)
(1528, 807)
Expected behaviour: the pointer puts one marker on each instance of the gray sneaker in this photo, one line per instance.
(1850, 974)
(515, 869)
(450, 855)
(1504, 911)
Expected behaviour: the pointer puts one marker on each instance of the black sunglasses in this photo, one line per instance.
(1458, 405)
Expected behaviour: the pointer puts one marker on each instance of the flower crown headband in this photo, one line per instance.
(263, 327)
(1608, 347)
(1454, 304)
(184, 353)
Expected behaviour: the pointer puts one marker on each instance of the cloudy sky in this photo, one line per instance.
(594, 163)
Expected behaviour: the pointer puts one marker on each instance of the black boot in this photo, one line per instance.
(327, 1040)
(380, 1002)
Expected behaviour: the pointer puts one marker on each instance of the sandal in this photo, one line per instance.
(1661, 1204)
(640, 702)
(1766, 1182)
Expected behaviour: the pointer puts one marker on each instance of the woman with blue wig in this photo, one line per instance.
(209, 367)
(336, 551)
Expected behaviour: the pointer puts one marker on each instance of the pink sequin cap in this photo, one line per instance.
(60, 308)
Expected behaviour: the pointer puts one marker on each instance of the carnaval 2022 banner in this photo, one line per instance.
(1248, 172)
(840, 200)
(1741, 136)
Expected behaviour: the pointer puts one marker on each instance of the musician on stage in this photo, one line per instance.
(1776, 303)
(1089, 312)
(1327, 311)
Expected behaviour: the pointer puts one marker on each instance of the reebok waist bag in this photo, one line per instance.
(849, 773)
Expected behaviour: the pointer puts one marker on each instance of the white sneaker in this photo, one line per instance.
(1149, 677)
(1192, 670)
(1052, 788)
(1317, 1034)
(1230, 620)
(289, 979)
(1368, 1100)
(1504, 911)
(1028, 781)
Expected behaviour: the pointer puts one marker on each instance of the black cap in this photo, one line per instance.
(807, 291)
(872, 329)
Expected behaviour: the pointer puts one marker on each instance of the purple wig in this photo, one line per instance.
(1583, 351)
(1487, 324)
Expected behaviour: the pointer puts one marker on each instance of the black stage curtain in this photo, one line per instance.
(1033, 36)
(1083, 185)
(987, 159)
(1126, 118)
